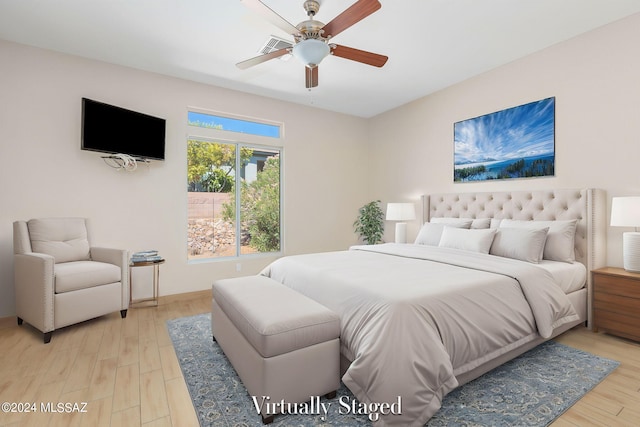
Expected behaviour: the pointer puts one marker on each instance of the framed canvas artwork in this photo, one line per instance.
(517, 142)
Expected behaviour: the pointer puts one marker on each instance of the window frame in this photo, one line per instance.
(241, 140)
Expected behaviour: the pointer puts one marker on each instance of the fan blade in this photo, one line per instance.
(355, 13)
(311, 77)
(359, 55)
(271, 16)
(262, 58)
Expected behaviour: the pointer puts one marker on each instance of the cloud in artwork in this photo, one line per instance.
(519, 132)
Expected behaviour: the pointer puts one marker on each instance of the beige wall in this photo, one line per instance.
(44, 172)
(329, 159)
(596, 81)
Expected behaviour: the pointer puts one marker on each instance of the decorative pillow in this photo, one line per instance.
(478, 240)
(519, 243)
(560, 244)
(453, 222)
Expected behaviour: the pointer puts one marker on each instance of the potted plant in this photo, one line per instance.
(369, 225)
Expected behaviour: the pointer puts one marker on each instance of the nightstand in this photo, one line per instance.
(616, 302)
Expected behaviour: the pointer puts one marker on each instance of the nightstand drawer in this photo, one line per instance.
(616, 286)
(613, 318)
(617, 303)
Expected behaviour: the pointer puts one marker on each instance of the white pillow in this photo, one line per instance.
(477, 240)
(481, 223)
(560, 244)
(453, 222)
(429, 234)
(519, 243)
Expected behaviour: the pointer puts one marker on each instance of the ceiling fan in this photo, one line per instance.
(311, 37)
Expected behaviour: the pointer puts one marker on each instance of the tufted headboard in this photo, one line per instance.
(588, 206)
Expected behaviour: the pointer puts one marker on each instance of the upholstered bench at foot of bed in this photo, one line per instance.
(283, 345)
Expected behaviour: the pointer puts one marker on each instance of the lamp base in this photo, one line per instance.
(401, 232)
(631, 251)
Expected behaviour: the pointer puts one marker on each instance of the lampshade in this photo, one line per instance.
(401, 211)
(625, 211)
(310, 51)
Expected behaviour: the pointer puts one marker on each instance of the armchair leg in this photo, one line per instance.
(123, 313)
(20, 321)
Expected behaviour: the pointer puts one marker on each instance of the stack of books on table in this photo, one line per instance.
(145, 256)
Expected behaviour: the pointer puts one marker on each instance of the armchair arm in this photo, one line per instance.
(119, 257)
(34, 287)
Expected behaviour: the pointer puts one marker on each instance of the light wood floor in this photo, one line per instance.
(127, 372)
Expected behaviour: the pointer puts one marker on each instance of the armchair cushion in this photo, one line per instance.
(72, 276)
(65, 239)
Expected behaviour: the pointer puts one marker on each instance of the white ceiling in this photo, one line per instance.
(431, 44)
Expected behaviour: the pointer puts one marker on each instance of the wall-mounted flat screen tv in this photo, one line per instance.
(110, 129)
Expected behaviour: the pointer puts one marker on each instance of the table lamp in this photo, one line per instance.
(401, 212)
(625, 212)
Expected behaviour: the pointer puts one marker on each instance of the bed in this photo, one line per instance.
(489, 277)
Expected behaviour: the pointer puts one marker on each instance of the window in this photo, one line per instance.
(234, 188)
(216, 189)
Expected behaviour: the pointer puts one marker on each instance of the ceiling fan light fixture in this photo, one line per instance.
(311, 51)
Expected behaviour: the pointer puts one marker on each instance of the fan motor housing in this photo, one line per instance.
(311, 29)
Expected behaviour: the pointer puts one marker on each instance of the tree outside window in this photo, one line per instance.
(215, 186)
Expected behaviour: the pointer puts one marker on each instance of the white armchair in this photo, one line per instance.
(60, 279)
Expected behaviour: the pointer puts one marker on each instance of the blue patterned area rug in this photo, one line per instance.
(531, 390)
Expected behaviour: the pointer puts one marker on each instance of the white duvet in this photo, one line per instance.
(414, 316)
